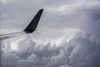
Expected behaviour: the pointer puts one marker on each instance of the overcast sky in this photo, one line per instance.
(72, 25)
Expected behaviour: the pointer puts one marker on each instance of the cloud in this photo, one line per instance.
(29, 55)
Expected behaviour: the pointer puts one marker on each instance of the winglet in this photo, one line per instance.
(33, 24)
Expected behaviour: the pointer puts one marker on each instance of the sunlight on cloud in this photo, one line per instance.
(14, 46)
(68, 35)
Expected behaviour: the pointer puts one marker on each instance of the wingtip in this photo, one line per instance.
(33, 24)
(41, 9)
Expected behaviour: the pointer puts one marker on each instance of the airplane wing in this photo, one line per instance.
(29, 29)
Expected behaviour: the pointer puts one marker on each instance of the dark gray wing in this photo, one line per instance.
(33, 25)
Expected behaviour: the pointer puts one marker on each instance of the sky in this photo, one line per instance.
(67, 34)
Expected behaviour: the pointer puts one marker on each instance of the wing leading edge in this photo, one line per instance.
(29, 29)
